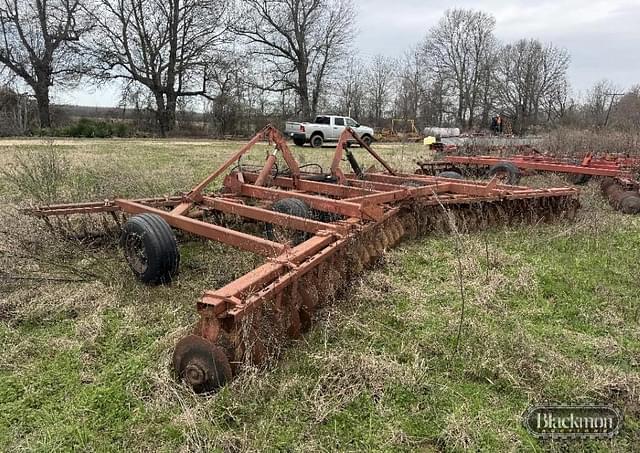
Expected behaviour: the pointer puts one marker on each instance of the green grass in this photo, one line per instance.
(552, 314)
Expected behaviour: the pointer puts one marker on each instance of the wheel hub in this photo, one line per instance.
(135, 253)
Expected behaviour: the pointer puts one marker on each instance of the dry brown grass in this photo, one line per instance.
(577, 143)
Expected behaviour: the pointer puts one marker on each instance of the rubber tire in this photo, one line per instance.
(160, 247)
(294, 207)
(450, 174)
(513, 174)
(578, 179)
(299, 142)
(367, 139)
(317, 141)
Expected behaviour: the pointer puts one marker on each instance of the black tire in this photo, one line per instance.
(150, 249)
(367, 139)
(290, 206)
(450, 174)
(511, 173)
(578, 179)
(317, 141)
(299, 141)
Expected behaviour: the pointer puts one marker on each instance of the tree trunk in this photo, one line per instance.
(165, 113)
(460, 106)
(171, 111)
(42, 98)
(161, 115)
(303, 93)
(305, 106)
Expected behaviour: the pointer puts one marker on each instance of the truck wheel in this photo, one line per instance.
(299, 141)
(367, 139)
(317, 141)
(150, 248)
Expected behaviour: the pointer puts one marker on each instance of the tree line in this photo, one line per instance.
(257, 60)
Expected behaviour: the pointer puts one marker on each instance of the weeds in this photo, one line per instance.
(571, 142)
(38, 173)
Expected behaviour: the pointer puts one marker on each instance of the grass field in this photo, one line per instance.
(552, 314)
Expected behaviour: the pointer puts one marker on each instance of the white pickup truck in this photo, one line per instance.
(325, 128)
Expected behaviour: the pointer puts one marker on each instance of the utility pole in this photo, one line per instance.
(613, 98)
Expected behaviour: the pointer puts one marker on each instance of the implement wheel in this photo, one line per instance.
(578, 179)
(299, 141)
(150, 248)
(201, 364)
(450, 174)
(293, 207)
(506, 172)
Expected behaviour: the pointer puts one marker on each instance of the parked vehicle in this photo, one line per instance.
(325, 128)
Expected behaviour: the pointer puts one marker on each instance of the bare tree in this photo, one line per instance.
(302, 40)
(39, 44)
(412, 85)
(350, 92)
(17, 111)
(626, 115)
(164, 45)
(461, 49)
(600, 100)
(531, 75)
(379, 82)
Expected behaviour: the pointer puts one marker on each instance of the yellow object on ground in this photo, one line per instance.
(430, 140)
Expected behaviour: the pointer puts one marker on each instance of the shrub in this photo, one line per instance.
(97, 129)
(88, 128)
(38, 173)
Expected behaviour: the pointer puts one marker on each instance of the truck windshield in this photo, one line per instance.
(351, 123)
(323, 120)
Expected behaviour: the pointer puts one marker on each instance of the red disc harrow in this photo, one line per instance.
(325, 228)
(619, 186)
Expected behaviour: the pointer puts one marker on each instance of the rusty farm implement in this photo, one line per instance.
(618, 172)
(322, 230)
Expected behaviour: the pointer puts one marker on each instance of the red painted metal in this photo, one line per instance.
(234, 238)
(622, 167)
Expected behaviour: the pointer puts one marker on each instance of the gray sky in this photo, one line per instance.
(602, 36)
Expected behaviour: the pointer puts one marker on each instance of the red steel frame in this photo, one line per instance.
(616, 167)
(363, 204)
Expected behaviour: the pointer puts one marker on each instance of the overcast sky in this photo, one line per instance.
(603, 37)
